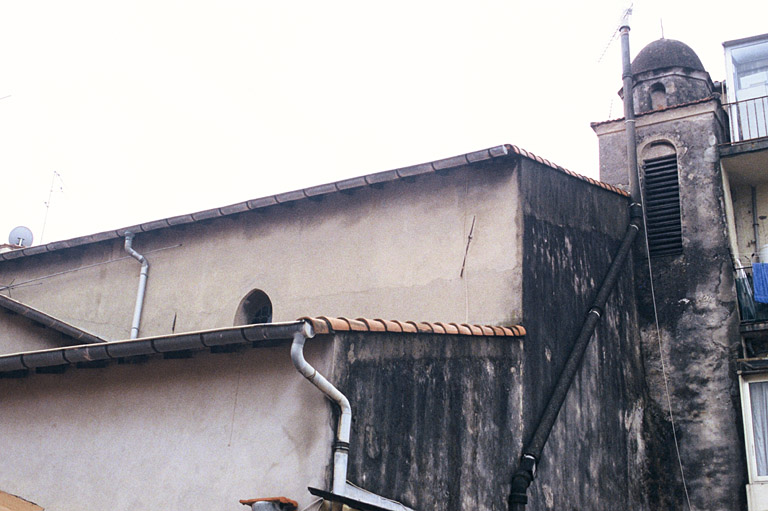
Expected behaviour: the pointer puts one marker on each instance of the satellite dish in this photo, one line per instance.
(21, 236)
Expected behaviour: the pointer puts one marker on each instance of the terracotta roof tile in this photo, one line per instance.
(463, 329)
(319, 326)
(355, 325)
(373, 325)
(438, 328)
(487, 331)
(408, 327)
(391, 326)
(531, 156)
(328, 325)
(338, 324)
(475, 329)
(449, 328)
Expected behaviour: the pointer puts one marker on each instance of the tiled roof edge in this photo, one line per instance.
(328, 325)
(672, 107)
(48, 321)
(543, 161)
(313, 192)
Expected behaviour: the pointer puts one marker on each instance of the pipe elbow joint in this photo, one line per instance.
(522, 479)
(518, 493)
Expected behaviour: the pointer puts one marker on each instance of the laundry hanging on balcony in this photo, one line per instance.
(760, 280)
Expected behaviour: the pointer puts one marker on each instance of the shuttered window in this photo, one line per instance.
(662, 206)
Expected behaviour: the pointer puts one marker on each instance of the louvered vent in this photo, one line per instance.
(662, 206)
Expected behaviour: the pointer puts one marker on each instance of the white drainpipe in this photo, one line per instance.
(142, 283)
(341, 447)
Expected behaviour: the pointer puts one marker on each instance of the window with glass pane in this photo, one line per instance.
(758, 395)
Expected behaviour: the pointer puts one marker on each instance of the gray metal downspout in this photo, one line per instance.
(629, 117)
(756, 224)
(341, 491)
(142, 283)
(341, 446)
(521, 480)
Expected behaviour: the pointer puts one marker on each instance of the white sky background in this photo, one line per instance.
(150, 109)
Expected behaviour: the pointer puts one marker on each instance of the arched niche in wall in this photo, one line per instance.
(254, 309)
(658, 96)
(661, 189)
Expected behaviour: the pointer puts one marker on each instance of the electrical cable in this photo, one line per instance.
(661, 352)
(44, 277)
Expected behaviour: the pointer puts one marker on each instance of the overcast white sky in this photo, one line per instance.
(150, 109)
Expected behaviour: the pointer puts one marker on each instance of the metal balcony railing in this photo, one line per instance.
(749, 119)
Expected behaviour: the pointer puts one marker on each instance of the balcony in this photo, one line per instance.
(748, 119)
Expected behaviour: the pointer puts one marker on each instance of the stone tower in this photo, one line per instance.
(680, 123)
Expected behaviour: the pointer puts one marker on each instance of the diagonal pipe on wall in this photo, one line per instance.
(521, 480)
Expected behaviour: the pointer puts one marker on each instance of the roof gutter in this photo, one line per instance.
(18, 364)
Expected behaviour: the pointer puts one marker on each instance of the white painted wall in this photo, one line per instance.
(197, 433)
(394, 252)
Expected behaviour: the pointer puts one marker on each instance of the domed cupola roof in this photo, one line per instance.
(666, 53)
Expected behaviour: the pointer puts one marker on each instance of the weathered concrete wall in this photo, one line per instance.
(394, 251)
(435, 416)
(697, 312)
(595, 456)
(680, 86)
(192, 433)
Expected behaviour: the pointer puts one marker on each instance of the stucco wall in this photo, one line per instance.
(196, 433)
(19, 334)
(395, 251)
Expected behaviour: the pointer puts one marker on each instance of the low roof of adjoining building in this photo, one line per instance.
(88, 355)
(47, 321)
(314, 192)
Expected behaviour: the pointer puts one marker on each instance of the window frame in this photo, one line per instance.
(749, 437)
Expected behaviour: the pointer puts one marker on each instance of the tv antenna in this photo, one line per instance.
(623, 20)
(47, 203)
